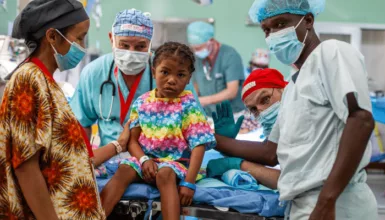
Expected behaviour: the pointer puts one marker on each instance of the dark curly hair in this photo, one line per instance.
(175, 49)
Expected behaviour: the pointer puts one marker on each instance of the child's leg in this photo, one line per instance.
(114, 190)
(166, 183)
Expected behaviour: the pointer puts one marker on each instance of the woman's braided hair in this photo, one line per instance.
(175, 49)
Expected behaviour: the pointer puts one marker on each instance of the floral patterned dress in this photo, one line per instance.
(171, 128)
(35, 116)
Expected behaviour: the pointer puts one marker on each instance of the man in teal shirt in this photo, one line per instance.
(131, 39)
(219, 71)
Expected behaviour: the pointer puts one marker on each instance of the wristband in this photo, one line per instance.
(143, 159)
(118, 148)
(188, 185)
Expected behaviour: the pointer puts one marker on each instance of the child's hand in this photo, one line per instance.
(186, 196)
(125, 136)
(149, 170)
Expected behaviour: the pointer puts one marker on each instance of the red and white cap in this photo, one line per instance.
(262, 78)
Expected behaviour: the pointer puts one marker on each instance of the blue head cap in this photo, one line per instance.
(199, 32)
(263, 9)
(133, 23)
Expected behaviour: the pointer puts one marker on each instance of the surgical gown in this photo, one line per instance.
(311, 120)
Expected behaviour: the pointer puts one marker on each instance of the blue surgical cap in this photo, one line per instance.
(263, 9)
(133, 23)
(199, 32)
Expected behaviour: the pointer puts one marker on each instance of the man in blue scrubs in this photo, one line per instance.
(129, 70)
(219, 73)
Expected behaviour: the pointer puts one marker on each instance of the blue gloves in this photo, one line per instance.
(224, 121)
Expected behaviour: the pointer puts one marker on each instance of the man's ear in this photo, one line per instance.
(111, 40)
(309, 21)
(51, 36)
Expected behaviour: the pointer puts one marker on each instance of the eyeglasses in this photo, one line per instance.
(265, 101)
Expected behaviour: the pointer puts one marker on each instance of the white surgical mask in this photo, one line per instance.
(202, 54)
(130, 62)
(205, 52)
(268, 117)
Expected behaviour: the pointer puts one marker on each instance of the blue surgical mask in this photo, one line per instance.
(72, 58)
(268, 117)
(202, 54)
(285, 45)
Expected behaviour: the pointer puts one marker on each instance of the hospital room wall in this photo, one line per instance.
(7, 16)
(230, 17)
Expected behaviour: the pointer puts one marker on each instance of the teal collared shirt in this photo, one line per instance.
(85, 102)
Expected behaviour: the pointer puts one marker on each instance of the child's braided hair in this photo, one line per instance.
(175, 49)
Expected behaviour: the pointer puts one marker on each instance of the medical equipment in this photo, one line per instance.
(204, 2)
(110, 82)
(210, 202)
(213, 199)
(207, 72)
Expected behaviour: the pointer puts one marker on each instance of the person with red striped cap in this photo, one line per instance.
(261, 93)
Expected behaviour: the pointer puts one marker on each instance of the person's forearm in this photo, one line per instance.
(103, 154)
(134, 147)
(264, 175)
(223, 95)
(257, 152)
(135, 150)
(36, 194)
(195, 163)
(354, 140)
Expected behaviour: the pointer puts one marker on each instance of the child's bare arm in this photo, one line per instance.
(185, 193)
(195, 163)
(149, 168)
(133, 146)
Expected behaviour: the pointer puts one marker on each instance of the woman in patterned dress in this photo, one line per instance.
(165, 123)
(45, 167)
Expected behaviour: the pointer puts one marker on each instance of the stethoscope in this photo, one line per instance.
(207, 72)
(110, 82)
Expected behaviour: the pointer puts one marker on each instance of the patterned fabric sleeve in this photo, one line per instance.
(29, 113)
(196, 130)
(134, 114)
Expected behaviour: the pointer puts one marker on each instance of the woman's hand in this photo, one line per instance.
(149, 171)
(125, 136)
(186, 195)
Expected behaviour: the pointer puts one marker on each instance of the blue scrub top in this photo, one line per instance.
(228, 67)
(85, 102)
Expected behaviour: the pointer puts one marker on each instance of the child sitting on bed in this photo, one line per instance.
(165, 122)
